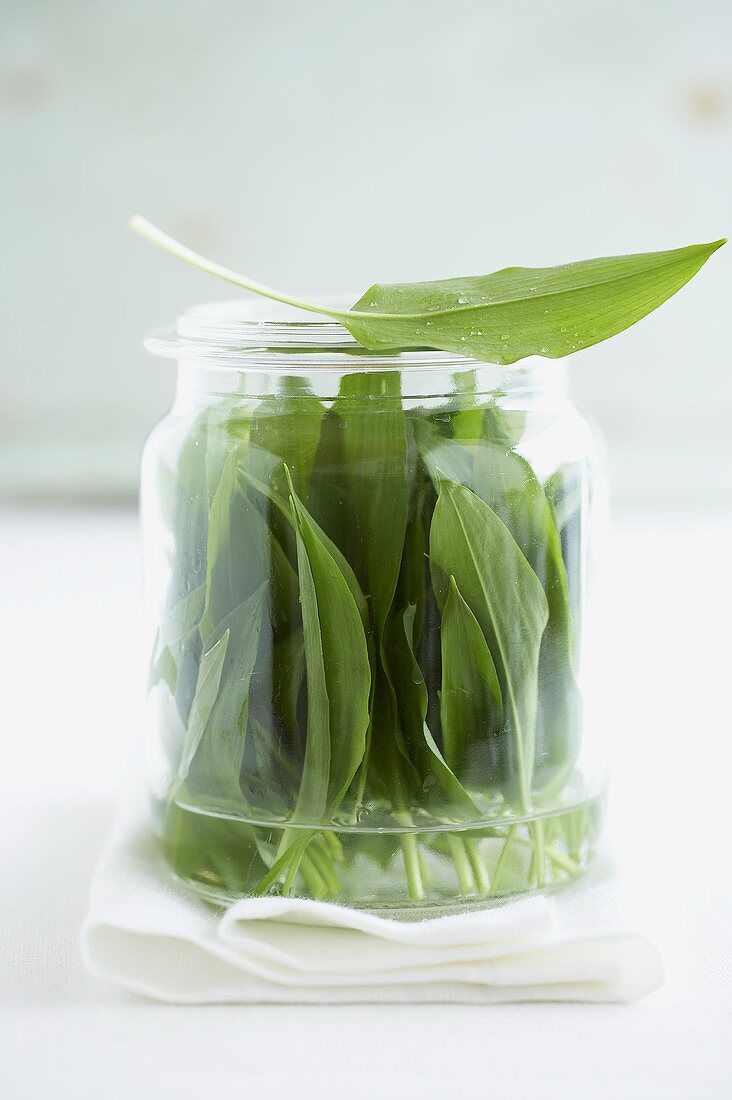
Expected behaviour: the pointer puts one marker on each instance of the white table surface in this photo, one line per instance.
(72, 667)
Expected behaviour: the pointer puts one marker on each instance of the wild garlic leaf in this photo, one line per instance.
(216, 760)
(520, 311)
(235, 558)
(285, 432)
(192, 503)
(368, 428)
(312, 799)
(163, 667)
(497, 318)
(470, 543)
(287, 427)
(567, 492)
(244, 551)
(272, 493)
(564, 489)
(444, 457)
(434, 771)
(288, 674)
(176, 637)
(507, 482)
(470, 700)
(207, 689)
(374, 450)
(185, 599)
(338, 674)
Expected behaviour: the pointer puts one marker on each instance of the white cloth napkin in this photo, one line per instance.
(146, 932)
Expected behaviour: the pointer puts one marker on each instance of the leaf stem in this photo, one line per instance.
(163, 240)
(462, 863)
(324, 865)
(538, 859)
(482, 877)
(410, 852)
(566, 862)
(502, 858)
(169, 244)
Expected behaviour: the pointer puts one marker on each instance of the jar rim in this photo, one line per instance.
(256, 333)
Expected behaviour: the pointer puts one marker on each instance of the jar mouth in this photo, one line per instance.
(256, 333)
(261, 323)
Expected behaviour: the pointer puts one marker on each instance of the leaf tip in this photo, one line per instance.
(713, 246)
(288, 475)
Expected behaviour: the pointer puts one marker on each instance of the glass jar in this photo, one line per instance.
(368, 576)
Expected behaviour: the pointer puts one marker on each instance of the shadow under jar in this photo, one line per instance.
(368, 578)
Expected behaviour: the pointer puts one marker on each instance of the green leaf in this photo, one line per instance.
(215, 749)
(564, 490)
(288, 674)
(522, 311)
(243, 552)
(287, 426)
(176, 637)
(177, 648)
(568, 492)
(501, 317)
(470, 543)
(284, 433)
(506, 481)
(272, 493)
(207, 689)
(371, 432)
(191, 509)
(313, 796)
(237, 539)
(163, 667)
(374, 450)
(444, 457)
(470, 700)
(338, 674)
(434, 771)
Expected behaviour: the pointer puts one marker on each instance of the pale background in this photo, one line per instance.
(319, 145)
(326, 144)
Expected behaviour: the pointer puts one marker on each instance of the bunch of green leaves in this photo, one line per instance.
(369, 620)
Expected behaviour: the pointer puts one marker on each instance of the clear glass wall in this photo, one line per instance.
(368, 577)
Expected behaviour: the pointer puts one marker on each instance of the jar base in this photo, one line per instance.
(403, 875)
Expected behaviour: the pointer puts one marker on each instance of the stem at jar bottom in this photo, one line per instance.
(561, 859)
(362, 775)
(502, 858)
(410, 851)
(407, 841)
(573, 832)
(565, 862)
(312, 877)
(332, 842)
(324, 866)
(290, 876)
(282, 863)
(462, 864)
(482, 877)
(538, 861)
